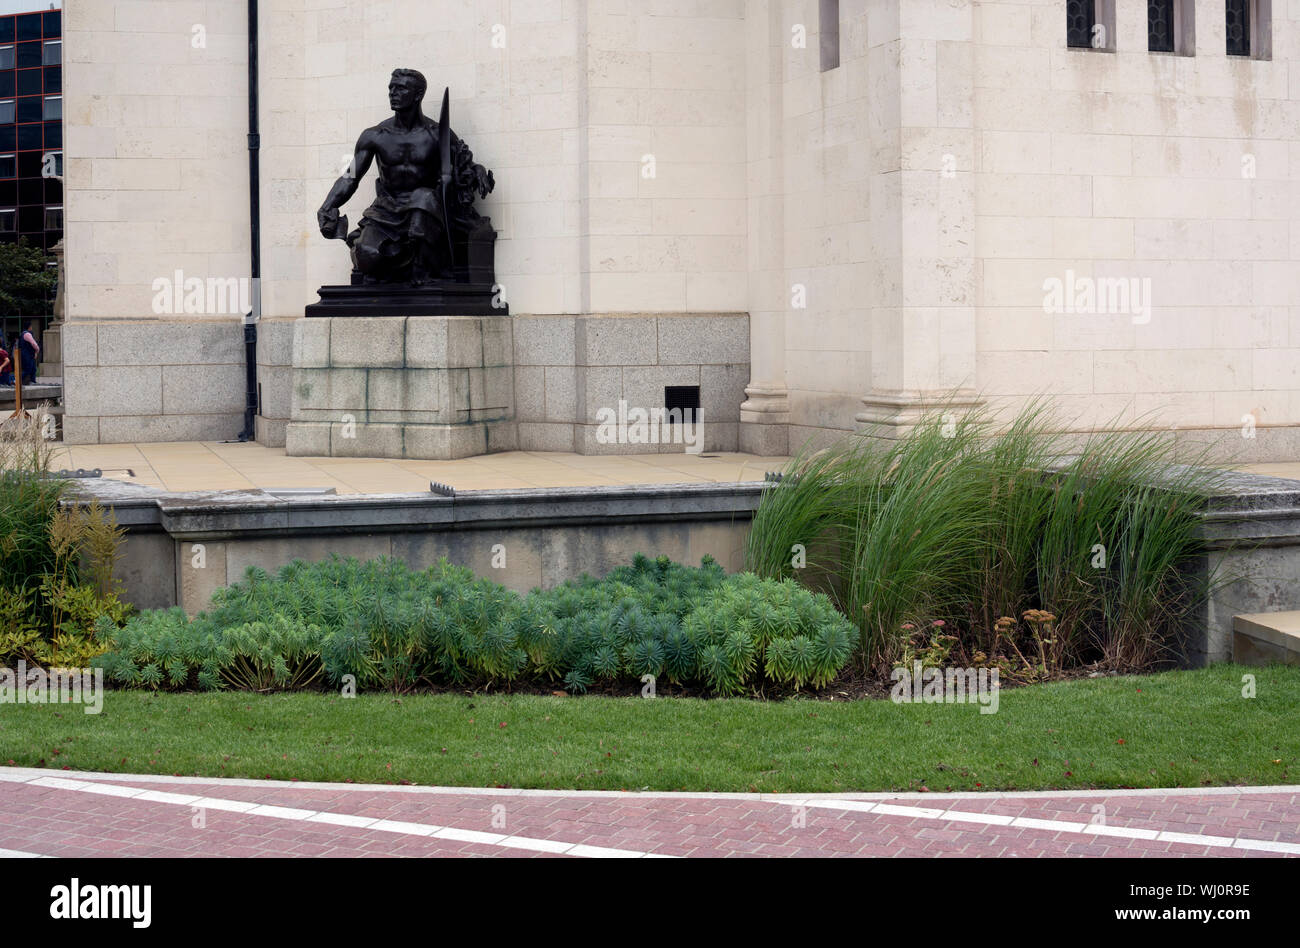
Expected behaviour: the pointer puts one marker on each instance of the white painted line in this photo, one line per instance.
(1195, 839)
(279, 812)
(1268, 846)
(338, 819)
(341, 819)
(601, 852)
(56, 783)
(17, 854)
(410, 829)
(157, 796)
(1058, 826)
(469, 836)
(540, 845)
(109, 790)
(918, 812)
(1126, 832)
(860, 806)
(969, 816)
(230, 806)
(521, 842)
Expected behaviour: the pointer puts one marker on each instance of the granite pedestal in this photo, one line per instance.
(418, 387)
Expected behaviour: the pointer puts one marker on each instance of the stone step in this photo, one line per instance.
(1266, 637)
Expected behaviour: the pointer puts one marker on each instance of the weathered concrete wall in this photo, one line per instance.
(1252, 532)
(181, 548)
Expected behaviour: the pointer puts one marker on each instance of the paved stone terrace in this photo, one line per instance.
(212, 465)
(54, 813)
(215, 465)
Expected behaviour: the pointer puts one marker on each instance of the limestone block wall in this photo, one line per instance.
(861, 246)
(155, 116)
(988, 159)
(1173, 173)
(663, 190)
(153, 380)
(616, 133)
(812, 160)
(889, 224)
(570, 368)
(564, 101)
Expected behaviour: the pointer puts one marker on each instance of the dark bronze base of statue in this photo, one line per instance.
(470, 291)
(439, 298)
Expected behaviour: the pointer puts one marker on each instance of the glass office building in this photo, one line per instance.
(31, 127)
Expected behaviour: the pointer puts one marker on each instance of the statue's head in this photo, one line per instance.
(406, 88)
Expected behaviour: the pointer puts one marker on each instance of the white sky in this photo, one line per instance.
(28, 6)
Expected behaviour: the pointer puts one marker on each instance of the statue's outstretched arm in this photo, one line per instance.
(331, 225)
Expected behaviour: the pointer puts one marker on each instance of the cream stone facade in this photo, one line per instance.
(892, 225)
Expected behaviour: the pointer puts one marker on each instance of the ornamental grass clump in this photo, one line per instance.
(963, 521)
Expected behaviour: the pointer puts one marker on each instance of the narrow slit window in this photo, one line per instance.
(1160, 26)
(1080, 18)
(54, 218)
(1238, 25)
(1248, 25)
(1090, 24)
(53, 107)
(829, 31)
(8, 220)
(1171, 26)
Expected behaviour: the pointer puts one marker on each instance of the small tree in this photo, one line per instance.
(26, 280)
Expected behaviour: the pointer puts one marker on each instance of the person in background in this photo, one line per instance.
(6, 365)
(31, 353)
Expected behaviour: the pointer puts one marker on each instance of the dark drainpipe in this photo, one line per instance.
(255, 228)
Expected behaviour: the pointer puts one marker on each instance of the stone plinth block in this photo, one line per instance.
(418, 387)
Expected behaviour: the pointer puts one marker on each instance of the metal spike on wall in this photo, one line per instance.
(442, 489)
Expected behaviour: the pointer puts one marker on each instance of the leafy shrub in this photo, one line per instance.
(795, 636)
(392, 628)
(56, 564)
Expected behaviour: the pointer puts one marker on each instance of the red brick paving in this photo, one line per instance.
(66, 822)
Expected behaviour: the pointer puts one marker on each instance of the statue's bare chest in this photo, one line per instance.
(418, 147)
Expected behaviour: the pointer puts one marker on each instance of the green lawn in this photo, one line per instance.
(1175, 729)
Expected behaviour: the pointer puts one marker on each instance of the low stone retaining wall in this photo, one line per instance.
(180, 548)
(1252, 533)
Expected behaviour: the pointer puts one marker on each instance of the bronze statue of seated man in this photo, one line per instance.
(418, 229)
